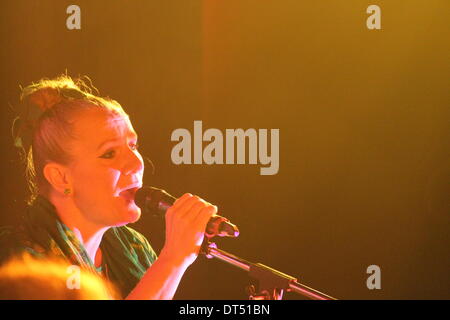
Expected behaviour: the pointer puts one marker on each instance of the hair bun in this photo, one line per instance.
(45, 98)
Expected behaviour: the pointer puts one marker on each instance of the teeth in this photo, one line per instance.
(124, 192)
(128, 192)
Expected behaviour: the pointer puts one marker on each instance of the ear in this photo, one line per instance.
(58, 176)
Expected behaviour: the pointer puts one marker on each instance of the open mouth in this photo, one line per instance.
(128, 194)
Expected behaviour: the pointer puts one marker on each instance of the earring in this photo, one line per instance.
(67, 192)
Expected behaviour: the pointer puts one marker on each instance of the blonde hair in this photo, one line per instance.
(27, 278)
(46, 123)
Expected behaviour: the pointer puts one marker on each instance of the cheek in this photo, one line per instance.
(95, 181)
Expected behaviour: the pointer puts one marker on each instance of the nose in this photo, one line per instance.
(133, 162)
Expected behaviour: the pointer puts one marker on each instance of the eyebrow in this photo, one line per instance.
(132, 135)
(106, 142)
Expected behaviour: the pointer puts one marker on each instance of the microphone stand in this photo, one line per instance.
(272, 283)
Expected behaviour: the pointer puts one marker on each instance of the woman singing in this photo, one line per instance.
(84, 169)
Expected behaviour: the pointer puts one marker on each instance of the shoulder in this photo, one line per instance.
(13, 242)
(8, 237)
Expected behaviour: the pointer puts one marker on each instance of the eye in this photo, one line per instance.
(108, 155)
(134, 146)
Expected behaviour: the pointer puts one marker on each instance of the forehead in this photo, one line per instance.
(94, 126)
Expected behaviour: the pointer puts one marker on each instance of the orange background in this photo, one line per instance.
(363, 118)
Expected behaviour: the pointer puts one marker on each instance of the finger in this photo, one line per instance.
(179, 202)
(202, 221)
(216, 210)
(185, 207)
(190, 213)
(169, 214)
(205, 214)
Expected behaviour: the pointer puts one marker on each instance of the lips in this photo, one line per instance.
(129, 193)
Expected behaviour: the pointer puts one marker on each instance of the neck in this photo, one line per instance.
(88, 233)
(91, 242)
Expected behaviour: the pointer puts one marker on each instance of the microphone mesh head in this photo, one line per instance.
(153, 200)
(141, 197)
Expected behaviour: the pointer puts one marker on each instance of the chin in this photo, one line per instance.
(135, 215)
(130, 216)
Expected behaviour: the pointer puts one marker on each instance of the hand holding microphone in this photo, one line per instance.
(157, 202)
(188, 220)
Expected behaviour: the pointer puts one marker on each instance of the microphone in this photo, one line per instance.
(157, 201)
